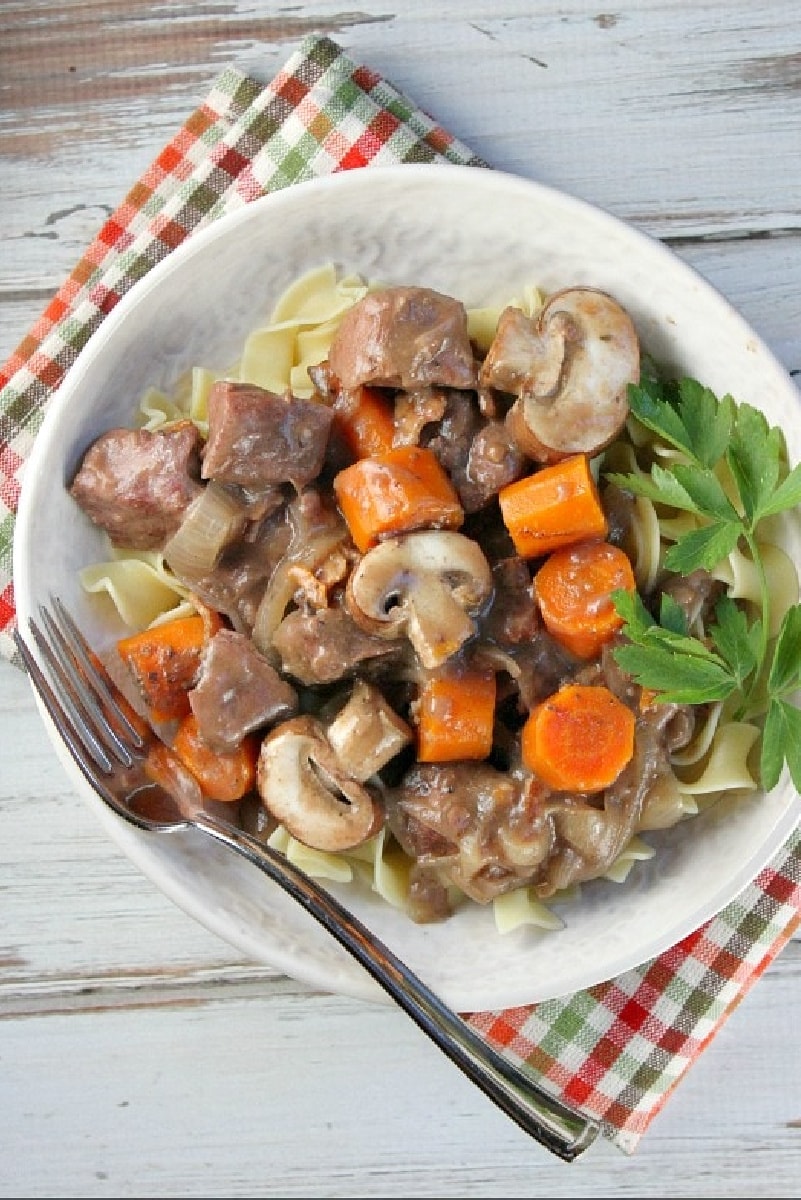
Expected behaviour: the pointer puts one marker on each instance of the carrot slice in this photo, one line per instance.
(403, 489)
(455, 715)
(365, 419)
(226, 777)
(555, 507)
(573, 589)
(164, 662)
(579, 739)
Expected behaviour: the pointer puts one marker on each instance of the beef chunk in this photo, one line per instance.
(513, 619)
(485, 830)
(138, 484)
(325, 646)
(237, 691)
(480, 456)
(404, 337)
(452, 437)
(493, 461)
(696, 594)
(416, 410)
(257, 438)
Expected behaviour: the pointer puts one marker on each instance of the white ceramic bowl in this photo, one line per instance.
(479, 235)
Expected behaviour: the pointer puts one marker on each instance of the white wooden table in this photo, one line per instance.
(139, 1055)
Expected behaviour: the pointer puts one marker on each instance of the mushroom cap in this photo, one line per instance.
(570, 368)
(367, 732)
(425, 585)
(302, 784)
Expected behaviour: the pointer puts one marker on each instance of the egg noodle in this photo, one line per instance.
(276, 356)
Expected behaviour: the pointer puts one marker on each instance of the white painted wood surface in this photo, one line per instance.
(139, 1055)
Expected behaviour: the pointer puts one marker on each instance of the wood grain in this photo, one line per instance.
(139, 1054)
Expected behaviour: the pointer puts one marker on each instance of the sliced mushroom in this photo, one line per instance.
(426, 586)
(367, 732)
(302, 784)
(569, 367)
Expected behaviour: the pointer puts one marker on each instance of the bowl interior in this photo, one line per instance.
(481, 236)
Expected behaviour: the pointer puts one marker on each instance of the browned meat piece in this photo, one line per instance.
(404, 337)
(325, 646)
(487, 831)
(414, 410)
(137, 485)
(480, 456)
(696, 594)
(620, 509)
(517, 351)
(513, 618)
(452, 437)
(257, 438)
(494, 460)
(541, 667)
(428, 896)
(237, 691)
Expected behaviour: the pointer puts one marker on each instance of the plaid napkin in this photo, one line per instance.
(616, 1050)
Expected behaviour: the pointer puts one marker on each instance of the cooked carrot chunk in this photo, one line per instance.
(456, 715)
(164, 662)
(556, 506)
(228, 776)
(579, 739)
(573, 589)
(396, 492)
(365, 419)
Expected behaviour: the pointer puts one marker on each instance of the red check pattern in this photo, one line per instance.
(617, 1050)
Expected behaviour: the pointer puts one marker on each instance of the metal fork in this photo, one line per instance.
(111, 751)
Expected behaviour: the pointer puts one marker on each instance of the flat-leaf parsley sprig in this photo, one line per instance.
(736, 661)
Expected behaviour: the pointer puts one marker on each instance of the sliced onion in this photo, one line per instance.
(283, 585)
(214, 520)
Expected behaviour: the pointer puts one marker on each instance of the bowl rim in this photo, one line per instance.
(355, 982)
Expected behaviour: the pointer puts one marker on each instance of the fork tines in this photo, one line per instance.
(84, 688)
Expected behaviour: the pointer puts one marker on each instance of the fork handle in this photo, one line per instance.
(561, 1130)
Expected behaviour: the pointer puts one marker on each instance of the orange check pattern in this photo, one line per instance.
(619, 1049)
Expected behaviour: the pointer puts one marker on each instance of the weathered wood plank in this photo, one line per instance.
(328, 1097)
(141, 1055)
(682, 129)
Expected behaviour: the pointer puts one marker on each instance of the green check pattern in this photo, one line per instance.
(617, 1050)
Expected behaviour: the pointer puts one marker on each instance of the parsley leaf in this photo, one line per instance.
(753, 456)
(695, 421)
(704, 547)
(679, 679)
(664, 659)
(707, 420)
(648, 402)
(636, 616)
(787, 494)
(661, 486)
(736, 641)
(785, 670)
(730, 473)
(671, 615)
(781, 739)
(706, 492)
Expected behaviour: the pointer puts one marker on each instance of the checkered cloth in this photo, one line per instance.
(616, 1050)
